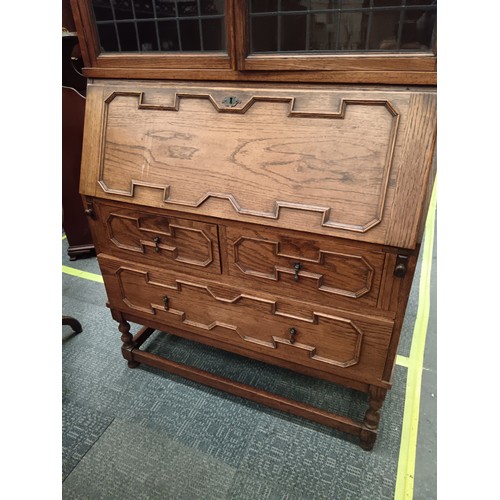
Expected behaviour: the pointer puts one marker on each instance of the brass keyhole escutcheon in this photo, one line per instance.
(297, 267)
(293, 332)
(157, 243)
(230, 101)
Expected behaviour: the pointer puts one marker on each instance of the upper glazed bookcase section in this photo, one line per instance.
(348, 41)
(351, 163)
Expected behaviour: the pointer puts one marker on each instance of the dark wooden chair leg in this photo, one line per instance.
(368, 434)
(75, 324)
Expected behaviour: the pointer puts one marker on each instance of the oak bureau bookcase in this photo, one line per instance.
(256, 176)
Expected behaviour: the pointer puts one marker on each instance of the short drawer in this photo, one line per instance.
(154, 238)
(322, 269)
(322, 338)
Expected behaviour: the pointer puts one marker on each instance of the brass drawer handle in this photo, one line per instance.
(165, 303)
(157, 243)
(297, 267)
(401, 266)
(293, 332)
(89, 212)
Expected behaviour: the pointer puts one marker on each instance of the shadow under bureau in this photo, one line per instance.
(280, 222)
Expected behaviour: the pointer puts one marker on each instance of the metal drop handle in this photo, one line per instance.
(157, 243)
(293, 332)
(297, 267)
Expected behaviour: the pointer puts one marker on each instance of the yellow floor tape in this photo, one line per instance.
(402, 360)
(82, 274)
(408, 447)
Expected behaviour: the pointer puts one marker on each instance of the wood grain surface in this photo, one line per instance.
(326, 161)
(318, 268)
(324, 337)
(176, 243)
(264, 219)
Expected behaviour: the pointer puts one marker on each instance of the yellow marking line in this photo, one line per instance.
(82, 274)
(402, 360)
(408, 446)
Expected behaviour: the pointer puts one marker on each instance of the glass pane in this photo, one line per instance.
(123, 9)
(107, 37)
(342, 25)
(324, 28)
(144, 9)
(190, 35)
(384, 30)
(351, 32)
(387, 3)
(214, 34)
(102, 9)
(265, 34)
(169, 38)
(165, 8)
(197, 25)
(128, 37)
(147, 36)
(417, 30)
(293, 32)
(211, 7)
(293, 5)
(187, 8)
(263, 5)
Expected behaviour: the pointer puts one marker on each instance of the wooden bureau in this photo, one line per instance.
(277, 221)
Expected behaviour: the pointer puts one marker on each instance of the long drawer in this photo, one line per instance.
(323, 338)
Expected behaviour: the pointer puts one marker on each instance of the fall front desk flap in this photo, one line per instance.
(340, 161)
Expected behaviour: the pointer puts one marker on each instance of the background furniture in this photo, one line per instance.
(75, 222)
(73, 323)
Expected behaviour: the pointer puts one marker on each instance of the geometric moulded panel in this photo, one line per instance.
(237, 317)
(262, 157)
(332, 272)
(182, 244)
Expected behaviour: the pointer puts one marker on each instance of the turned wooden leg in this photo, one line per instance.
(368, 435)
(128, 343)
